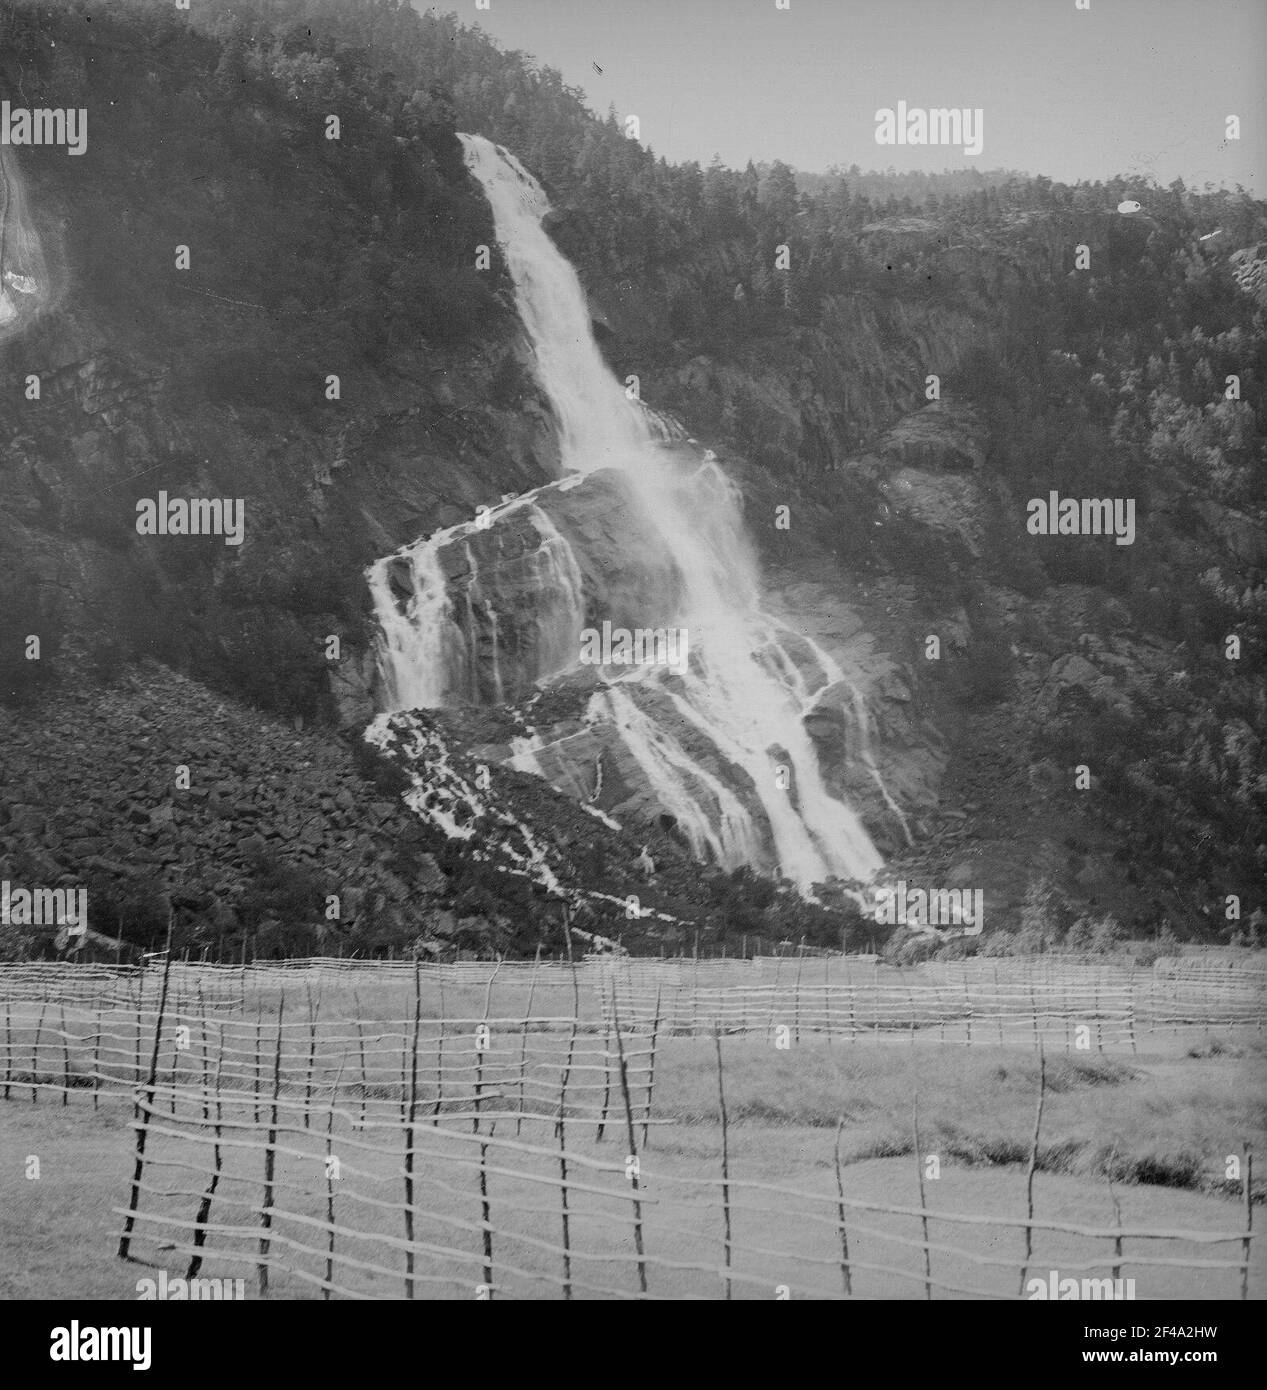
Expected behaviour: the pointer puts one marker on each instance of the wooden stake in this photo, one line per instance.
(65, 1061)
(270, 1160)
(1249, 1218)
(1033, 1164)
(796, 1005)
(485, 1218)
(655, 1035)
(325, 1289)
(563, 1167)
(827, 994)
(35, 1054)
(439, 1100)
(204, 1206)
(845, 1273)
(607, 1079)
(203, 1089)
(256, 1064)
(523, 1044)
(725, 1158)
(409, 1137)
(312, 1051)
(919, 1173)
(360, 1039)
(143, 1125)
(633, 1154)
(1117, 1219)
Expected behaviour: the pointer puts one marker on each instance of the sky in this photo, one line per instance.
(1126, 86)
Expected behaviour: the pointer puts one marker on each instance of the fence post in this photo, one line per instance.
(143, 1124)
(270, 1159)
(312, 1051)
(204, 1206)
(485, 1217)
(205, 1056)
(827, 995)
(923, 1211)
(256, 1072)
(140, 1000)
(633, 1153)
(35, 1054)
(334, 1090)
(1117, 1219)
(725, 1158)
(1249, 1219)
(409, 1136)
(796, 1000)
(655, 1036)
(360, 1041)
(840, 1216)
(1033, 1164)
(607, 1077)
(65, 1061)
(563, 1165)
(523, 1043)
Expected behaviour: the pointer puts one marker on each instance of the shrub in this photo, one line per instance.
(958, 948)
(1080, 938)
(1106, 935)
(134, 909)
(1040, 925)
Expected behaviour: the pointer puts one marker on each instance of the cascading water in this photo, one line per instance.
(23, 279)
(743, 697)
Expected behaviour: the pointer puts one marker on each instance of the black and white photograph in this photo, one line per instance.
(632, 664)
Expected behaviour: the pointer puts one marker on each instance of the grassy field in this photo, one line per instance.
(1161, 1122)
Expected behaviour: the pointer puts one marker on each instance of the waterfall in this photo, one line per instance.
(433, 653)
(23, 278)
(721, 744)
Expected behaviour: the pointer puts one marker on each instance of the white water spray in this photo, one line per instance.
(743, 695)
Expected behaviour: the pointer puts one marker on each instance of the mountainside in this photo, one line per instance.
(888, 384)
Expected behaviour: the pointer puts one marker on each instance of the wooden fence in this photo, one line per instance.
(491, 1154)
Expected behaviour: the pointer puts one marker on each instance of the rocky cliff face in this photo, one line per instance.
(837, 426)
(488, 612)
(323, 503)
(509, 591)
(322, 498)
